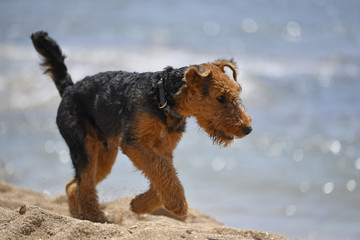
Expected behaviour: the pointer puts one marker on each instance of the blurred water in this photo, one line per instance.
(297, 173)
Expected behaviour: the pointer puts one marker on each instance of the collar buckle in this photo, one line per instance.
(162, 99)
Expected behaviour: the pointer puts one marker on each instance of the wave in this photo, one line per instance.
(23, 85)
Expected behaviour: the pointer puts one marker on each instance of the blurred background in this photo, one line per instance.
(297, 173)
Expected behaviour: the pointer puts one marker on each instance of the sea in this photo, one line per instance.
(297, 173)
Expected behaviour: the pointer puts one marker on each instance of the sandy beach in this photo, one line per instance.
(25, 214)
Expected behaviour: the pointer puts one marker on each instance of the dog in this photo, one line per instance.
(143, 114)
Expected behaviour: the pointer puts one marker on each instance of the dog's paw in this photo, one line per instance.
(140, 207)
(95, 216)
(145, 203)
(177, 207)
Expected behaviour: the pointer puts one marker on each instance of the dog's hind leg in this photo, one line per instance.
(87, 196)
(71, 192)
(84, 148)
(106, 158)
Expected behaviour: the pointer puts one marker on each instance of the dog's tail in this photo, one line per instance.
(53, 60)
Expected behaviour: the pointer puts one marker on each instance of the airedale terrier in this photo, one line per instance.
(144, 114)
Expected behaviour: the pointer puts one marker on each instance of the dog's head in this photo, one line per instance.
(213, 97)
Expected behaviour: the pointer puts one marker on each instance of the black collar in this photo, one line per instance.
(163, 104)
(162, 100)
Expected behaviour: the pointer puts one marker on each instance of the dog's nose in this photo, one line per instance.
(247, 130)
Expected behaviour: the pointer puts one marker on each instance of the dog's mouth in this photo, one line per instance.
(221, 138)
(227, 137)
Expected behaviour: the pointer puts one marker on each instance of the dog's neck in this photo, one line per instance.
(170, 82)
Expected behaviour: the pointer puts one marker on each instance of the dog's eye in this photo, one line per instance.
(221, 99)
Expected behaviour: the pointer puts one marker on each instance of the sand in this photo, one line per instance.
(25, 214)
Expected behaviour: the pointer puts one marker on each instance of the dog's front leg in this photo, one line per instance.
(146, 202)
(164, 181)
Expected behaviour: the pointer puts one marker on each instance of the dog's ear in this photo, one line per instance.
(197, 74)
(230, 64)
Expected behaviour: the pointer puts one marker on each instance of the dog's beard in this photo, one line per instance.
(220, 138)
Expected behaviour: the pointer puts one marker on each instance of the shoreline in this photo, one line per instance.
(47, 217)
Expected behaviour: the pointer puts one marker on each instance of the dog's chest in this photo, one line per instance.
(158, 135)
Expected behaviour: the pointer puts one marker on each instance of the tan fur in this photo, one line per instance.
(156, 161)
(82, 197)
(229, 118)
